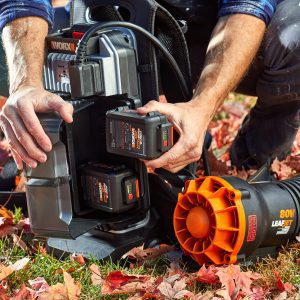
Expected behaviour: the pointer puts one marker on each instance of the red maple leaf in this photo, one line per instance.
(283, 287)
(208, 275)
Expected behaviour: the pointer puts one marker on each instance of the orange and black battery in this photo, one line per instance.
(109, 188)
(138, 136)
(223, 220)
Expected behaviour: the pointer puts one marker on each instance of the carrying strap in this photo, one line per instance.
(155, 75)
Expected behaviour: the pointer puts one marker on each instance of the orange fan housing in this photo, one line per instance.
(209, 221)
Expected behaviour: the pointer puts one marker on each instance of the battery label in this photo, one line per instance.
(103, 193)
(127, 136)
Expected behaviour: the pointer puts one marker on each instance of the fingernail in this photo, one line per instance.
(33, 164)
(47, 148)
(43, 158)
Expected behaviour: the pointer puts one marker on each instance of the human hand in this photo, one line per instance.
(191, 123)
(27, 140)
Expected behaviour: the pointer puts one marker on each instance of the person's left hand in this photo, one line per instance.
(191, 122)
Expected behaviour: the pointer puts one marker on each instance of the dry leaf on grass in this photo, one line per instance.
(18, 242)
(140, 254)
(18, 265)
(73, 288)
(24, 225)
(207, 275)
(39, 285)
(67, 291)
(235, 281)
(283, 287)
(119, 283)
(174, 290)
(96, 275)
(78, 258)
(22, 294)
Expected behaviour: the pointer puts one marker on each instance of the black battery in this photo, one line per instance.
(110, 188)
(138, 136)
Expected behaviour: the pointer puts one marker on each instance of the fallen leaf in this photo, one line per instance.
(24, 225)
(118, 283)
(235, 281)
(7, 229)
(174, 291)
(281, 296)
(18, 265)
(208, 275)
(7, 214)
(283, 287)
(18, 241)
(39, 285)
(55, 292)
(73, 288)
(22, 294)
(78, 258)
(140, 254)
(96, 275)
(206, 296)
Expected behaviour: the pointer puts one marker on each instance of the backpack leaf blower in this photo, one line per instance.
(94, 195)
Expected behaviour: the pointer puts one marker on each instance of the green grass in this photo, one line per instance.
(50, 268)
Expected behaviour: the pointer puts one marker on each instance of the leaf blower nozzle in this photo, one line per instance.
(222, 220)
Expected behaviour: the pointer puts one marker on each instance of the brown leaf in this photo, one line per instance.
(78, 258)
(7, 214)
(7, 229)
(174, 291)
(235, 281)
(96, 275)
(282, 169)
(23, 294)
(140, 254)
(18, 241)
(55, 292)
(39, 285)
(73, 288)
(206, 296)
(18, 265)
(24, 225)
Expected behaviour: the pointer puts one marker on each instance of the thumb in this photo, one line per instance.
(64, 108)
(163, 108)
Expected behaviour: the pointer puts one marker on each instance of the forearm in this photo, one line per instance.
(233, 45)
(24, 40)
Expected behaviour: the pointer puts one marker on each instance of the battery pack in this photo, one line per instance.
(138, 136)
(110, 188)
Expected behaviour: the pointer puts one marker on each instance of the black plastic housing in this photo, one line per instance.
(110, 188)
(138, 136)
(54, 195)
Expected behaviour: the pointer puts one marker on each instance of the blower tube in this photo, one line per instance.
(222, 220)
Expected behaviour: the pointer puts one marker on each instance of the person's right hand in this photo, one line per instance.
(19, 122)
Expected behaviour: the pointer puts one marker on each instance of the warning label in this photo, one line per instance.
(252, 228)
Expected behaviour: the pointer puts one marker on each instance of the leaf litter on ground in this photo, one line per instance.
(270, 279)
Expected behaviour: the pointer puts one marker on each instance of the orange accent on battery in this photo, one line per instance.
(130, 197)
(165, 143)
(77, 35)
(137, 189)
(209, 221)
(172, 136)
(17, 180)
